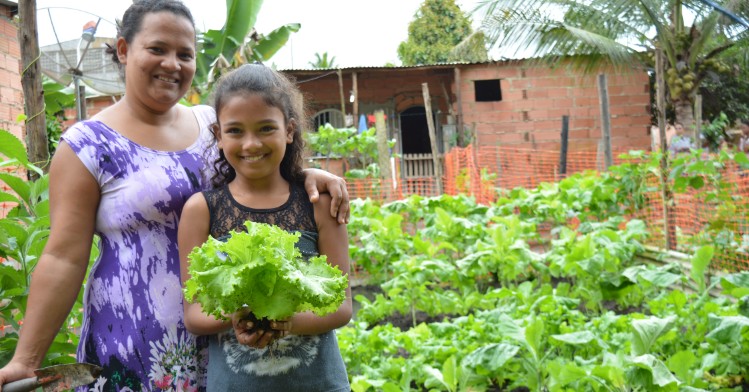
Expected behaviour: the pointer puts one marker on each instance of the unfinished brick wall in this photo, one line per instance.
(535, 99)
(398, 88)
(94, 105)
(11, 92)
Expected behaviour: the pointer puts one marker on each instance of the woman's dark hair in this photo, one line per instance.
(132, 20)
(278, 91)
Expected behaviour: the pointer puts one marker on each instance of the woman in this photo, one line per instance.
(125, 176)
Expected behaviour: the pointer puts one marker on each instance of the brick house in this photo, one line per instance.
(11, 91)
(498, 103)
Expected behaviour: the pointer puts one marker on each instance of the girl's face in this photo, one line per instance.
(253, 136)
(160, 60)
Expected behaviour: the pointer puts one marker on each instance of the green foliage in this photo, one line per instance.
(322, 61)
(726, 93)
(235, 44)
(56, 99)
(437, 28)
(23, 234)
(473, 298)
(262, 269)
(359, 148)
(715, 131)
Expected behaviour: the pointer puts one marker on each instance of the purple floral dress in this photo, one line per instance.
(133, 314)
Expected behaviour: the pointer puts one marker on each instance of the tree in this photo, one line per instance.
(624, 33)
(322, 61)
(31, 81)
(437, 28)
(729, 93)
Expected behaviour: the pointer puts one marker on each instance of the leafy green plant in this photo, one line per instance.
(263, 270)
(358, 148)
(715, 131)
(479, 306)
(23, 233)
(56, 99)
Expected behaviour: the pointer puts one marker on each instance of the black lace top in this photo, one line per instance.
(297, 214)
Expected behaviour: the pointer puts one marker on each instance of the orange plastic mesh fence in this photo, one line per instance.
(693, 218)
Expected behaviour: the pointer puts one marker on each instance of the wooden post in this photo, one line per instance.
(563, 152)
(355, 104)
(669, 225)
(340, 90)
(33, 92)
(603, 92)
(383, 150)
(432, 138)
(449, 130)
(459, 104)
(697, 121)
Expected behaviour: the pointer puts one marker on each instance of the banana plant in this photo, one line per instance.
(236, 43)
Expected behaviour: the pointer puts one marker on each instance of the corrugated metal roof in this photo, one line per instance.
(375, 68)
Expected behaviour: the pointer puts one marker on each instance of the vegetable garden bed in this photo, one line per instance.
(454, 298)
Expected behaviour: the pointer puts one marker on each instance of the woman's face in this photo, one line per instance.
(160, 60)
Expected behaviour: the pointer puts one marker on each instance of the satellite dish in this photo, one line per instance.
(73, 51)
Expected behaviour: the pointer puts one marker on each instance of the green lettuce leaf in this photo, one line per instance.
(263, 270)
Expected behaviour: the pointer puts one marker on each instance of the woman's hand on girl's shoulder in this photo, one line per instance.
(318, 181)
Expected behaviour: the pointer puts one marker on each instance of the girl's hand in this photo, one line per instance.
(280, 328)
(316, 181)
(248, 331)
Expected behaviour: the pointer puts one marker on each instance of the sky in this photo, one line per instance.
(355, 32)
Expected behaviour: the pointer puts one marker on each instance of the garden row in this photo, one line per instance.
(458, 296)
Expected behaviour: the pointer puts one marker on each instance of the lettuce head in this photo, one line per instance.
(263, 270)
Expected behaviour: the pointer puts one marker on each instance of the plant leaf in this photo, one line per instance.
(647, 331)
(12, 147)
(700, 261)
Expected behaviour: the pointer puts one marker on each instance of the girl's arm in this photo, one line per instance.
(193, 231)
(333, 243)
(317, 181)
(74, 199)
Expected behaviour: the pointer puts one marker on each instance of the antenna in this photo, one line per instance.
(73, 51)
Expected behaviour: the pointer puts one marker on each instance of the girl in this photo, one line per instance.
(124, 175)
(258, 173)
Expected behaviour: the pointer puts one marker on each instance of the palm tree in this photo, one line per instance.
(624, 33)
(322, 61)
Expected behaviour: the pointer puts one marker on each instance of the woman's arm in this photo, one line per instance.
(74, 199)
(318, 181)
(194, 226)
(333, 243)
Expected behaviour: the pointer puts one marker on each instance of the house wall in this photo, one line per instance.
(94, 105)
(534, 99)
(396, 88)
(11, 91)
